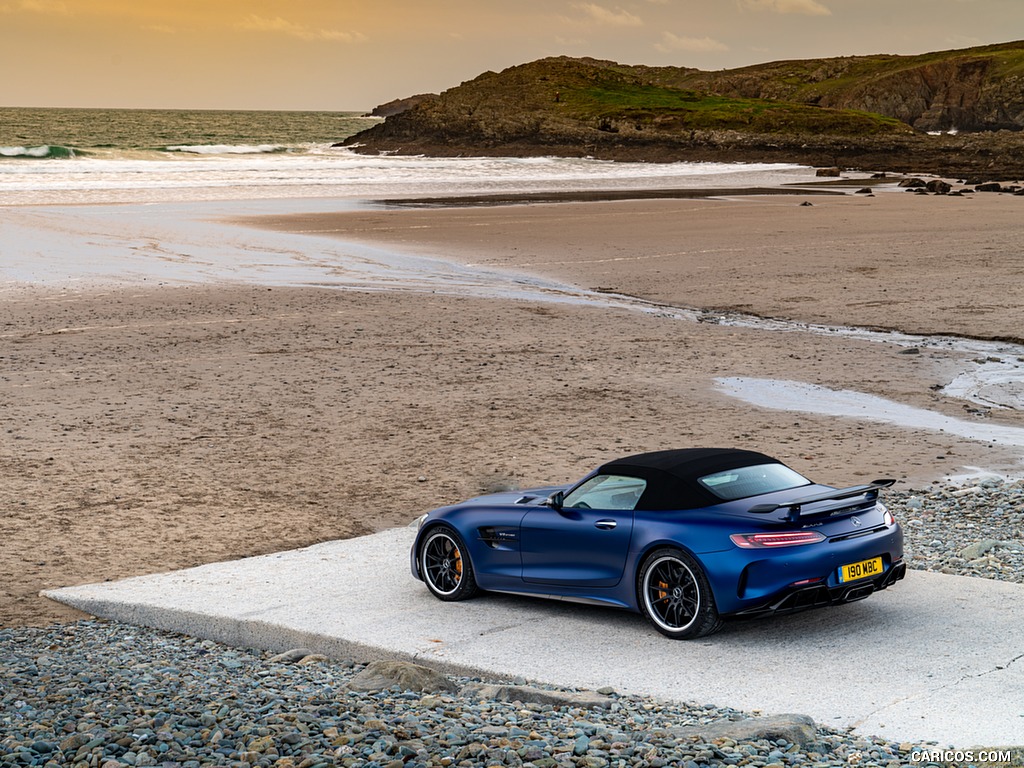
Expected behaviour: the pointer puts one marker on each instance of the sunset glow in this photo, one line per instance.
(338, 54)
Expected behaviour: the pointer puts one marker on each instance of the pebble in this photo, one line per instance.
(100, 694)
(974, 530)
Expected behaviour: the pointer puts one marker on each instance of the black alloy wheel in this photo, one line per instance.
(675, 596)
(445, 565)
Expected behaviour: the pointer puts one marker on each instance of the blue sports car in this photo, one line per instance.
(686, 537)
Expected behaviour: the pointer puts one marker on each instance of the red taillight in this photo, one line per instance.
(773, 540)
(805, 582)
(888, 518)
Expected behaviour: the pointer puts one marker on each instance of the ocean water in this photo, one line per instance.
(55, 156)
(62, 133)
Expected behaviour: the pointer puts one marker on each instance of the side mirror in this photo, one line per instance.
(555, 500)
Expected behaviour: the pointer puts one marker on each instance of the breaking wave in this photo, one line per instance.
(44, 151)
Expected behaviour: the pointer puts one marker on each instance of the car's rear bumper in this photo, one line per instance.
(822, 595)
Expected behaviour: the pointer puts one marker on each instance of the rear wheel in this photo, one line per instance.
(675, 595)
(445, 565)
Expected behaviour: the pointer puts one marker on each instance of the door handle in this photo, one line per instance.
(605, 525)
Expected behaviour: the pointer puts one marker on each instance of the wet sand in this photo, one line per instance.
(921, 264)
(152, 429)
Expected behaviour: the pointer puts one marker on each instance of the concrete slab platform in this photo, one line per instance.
(936, 657)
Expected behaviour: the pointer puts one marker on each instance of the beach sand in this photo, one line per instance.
(152, 429)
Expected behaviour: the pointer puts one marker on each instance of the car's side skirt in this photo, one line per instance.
(602, 601)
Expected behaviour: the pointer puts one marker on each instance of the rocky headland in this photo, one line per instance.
(953, 113)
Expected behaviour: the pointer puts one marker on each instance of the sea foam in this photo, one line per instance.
(244, 171)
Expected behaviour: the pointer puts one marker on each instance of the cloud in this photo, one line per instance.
(670, 42)
(602, 15)
(281, 26)
(805, 7)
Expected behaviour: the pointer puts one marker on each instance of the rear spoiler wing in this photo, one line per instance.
(869, 492)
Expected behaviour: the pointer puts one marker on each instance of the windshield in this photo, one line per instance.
(743, 482)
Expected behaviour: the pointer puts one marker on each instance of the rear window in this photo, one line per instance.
(744, 482)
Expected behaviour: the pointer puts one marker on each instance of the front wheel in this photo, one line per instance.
(445, 565)
(675, 596)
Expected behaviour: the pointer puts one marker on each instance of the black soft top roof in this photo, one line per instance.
(672, 475)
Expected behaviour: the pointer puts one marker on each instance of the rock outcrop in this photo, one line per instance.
(871, 113)
(398, 106)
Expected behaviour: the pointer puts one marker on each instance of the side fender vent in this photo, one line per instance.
(498, 538)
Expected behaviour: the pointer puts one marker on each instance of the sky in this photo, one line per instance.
(346, 55)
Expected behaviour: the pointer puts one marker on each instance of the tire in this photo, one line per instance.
(675, 596)
(445, 565)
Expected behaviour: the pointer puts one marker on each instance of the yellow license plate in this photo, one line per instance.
(861, 570)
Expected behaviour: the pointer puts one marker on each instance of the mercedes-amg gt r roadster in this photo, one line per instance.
(686, 537)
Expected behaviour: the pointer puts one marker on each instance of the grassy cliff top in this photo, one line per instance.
(605, 93)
